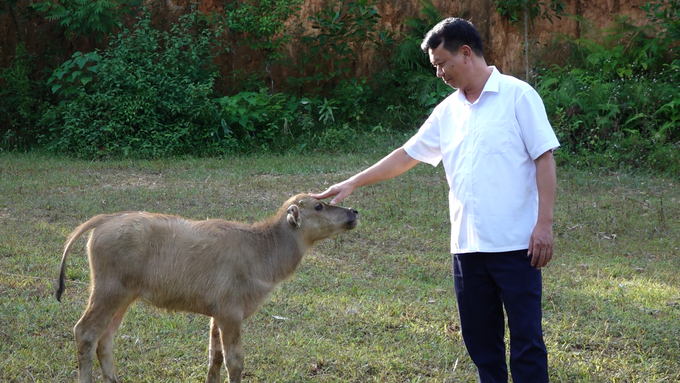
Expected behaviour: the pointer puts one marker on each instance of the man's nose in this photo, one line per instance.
(440, 72)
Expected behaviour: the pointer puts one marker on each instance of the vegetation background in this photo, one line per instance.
(153, 84)
(147, 119)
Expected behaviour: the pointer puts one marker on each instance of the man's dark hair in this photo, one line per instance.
(455, 33)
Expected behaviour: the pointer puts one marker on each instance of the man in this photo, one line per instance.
(496, 144)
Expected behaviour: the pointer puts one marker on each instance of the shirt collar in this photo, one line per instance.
(492, 84)
(493, 81)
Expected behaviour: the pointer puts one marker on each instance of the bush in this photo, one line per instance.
(20, 103)
(416, 87)
(615, 105)
(257, 121)
(149, 96)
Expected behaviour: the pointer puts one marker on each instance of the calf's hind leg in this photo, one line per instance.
(214, 353)
(98, 325)
(105, 347)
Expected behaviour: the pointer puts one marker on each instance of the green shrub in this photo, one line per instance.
(665, 15)
(617, 105)
(74, 75)
(419, 89)
(346, 31)
(257, 120)
(261, 26)
(353, 97)
(150, 96)
(87, 18)
(625, 120)
(21, 102)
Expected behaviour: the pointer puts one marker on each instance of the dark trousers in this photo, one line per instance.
(485, 283)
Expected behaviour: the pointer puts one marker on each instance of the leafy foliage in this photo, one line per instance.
(665, 15)
(151, 93)
(345, 30)
(75, 74)
(96, 18)
(148, 97)
(260, 25)
(21, 101)
(618, 104)
(528, 11)
(514, 9)
(420, 85)
(283, 122)
(252, 119)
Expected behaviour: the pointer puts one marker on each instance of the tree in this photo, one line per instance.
(87, 18)
(529, 10)
(261, 23)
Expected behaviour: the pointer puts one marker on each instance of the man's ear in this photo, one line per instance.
(294, 215)
(466, 51)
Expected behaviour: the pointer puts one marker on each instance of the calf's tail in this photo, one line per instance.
(80, 230)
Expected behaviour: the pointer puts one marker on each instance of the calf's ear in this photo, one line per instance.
(294, 215)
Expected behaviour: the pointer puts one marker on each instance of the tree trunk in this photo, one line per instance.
(526, 41)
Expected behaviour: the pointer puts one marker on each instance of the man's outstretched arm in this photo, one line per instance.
(394, 164)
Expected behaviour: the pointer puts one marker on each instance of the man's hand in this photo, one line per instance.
(541, 245)
(340, 191)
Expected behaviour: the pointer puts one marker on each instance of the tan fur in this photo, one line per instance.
(217, 268)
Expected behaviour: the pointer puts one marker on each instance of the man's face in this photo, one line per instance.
(448, 65)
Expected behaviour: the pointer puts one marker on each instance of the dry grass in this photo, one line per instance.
(375, 304)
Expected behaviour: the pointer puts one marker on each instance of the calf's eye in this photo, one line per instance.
(318, 207)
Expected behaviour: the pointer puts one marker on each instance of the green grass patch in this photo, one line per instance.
(373, 305)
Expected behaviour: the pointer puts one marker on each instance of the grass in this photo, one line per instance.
(373, 305)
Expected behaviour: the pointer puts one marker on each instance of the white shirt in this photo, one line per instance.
(488, 149)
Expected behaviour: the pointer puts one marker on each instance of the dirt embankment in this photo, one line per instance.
(503, 42)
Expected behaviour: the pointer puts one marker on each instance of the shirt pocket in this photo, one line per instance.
(493, 137)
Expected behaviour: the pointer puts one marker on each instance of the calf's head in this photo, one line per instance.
(316, 220)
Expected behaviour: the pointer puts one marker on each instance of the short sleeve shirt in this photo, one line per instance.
(488, 149)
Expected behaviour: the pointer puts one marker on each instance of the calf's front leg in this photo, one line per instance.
(232, 349)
